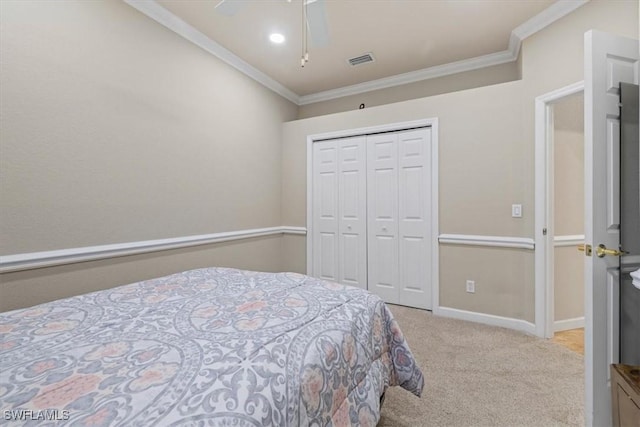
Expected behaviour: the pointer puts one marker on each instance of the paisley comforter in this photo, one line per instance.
(212, 346)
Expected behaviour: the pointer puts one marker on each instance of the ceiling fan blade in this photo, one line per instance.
(317, 22)
(230, 7)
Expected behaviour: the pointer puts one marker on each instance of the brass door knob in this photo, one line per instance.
(602, 251)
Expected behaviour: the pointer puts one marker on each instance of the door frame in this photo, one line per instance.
(389, 127)
(544, 243)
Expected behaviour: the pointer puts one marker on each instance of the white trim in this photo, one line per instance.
(391, 127)
(568, 324)
(557, 95)
(435, 230)
(548, 16)
(493, 241)
(298, 231)
(411, 77)
(568, 240)
(545, 18)
(309, 205)
(28, 261)
(433, 123)
(164, 17)
(544, 243)
(487, 319)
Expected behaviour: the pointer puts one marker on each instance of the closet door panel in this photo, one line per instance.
(325, 210)
(352, 210)
(414, 193)
(382, 215)
(386, 272)
(328, 254)
(372, 214)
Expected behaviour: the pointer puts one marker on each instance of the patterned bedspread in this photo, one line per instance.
(213, 346)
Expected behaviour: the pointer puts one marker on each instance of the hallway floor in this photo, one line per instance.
(573, 339)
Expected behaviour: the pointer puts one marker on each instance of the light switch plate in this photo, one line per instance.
(471, 286)
(516, 211)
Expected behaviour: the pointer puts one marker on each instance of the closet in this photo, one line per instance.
(371, 214)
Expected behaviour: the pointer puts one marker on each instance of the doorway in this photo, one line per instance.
(567, 222)
(559, 219)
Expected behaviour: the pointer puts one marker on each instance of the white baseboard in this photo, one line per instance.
(565, 325)
(487, 319)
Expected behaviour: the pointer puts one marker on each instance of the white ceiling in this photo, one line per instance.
(405, 36)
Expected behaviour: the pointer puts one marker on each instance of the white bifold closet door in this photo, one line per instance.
(339, 211)
(399, 218)
(371, 215)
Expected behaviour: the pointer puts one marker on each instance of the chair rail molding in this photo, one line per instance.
(33, 260)
(492, 241)
(568, 240)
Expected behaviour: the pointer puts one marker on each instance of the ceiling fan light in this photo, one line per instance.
(276, 38)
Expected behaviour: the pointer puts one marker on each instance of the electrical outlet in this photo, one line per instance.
(471, 286)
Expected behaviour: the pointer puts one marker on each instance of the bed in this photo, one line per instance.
(213, 346)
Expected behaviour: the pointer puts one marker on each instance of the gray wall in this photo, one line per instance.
(115, 129)
(468, 80)
(482, 171)
(486, 162)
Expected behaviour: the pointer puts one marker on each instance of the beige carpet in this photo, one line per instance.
(477, 375)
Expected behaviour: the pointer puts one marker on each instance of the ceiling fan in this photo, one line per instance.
(314, 14)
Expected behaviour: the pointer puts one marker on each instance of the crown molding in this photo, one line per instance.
(545, 18)
(530, 27)
(548, 16)
(411, 77)
(164, 17)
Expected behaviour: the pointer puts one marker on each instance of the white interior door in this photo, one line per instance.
(325, 211)
(352, 211)
(414, 195)
(382, 215)
(609, 60)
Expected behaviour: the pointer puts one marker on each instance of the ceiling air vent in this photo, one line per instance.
(362, 59)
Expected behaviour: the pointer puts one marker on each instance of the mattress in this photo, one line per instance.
(211, 346)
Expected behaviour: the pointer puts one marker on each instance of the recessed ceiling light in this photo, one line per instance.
(276, 38)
